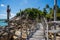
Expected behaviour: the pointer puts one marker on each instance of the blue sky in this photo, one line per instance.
(16, 5)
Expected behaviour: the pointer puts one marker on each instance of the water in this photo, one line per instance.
(2, 23)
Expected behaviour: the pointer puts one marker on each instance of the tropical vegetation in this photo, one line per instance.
(47, 12)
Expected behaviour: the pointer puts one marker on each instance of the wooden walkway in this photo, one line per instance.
(38, 35)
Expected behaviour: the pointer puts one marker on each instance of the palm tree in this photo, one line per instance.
(47, 6)
(49, 11)
(44, 12)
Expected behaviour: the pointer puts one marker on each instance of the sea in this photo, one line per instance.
(3, 23)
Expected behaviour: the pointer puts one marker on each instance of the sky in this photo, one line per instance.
(16, 5)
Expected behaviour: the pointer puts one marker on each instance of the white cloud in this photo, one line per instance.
(2, 5)
(4, 16)
(12, 15)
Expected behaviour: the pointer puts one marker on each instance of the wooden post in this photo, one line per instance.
(55, 9)
(21, 26)
(8, 15)
(55, 17)
(26, 27)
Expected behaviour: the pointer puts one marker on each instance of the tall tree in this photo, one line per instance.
(47, 6)
(45, 12)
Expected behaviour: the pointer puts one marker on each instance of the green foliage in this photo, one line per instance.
(58, 16)
(47, 6)
(44, 12)
(58, 9)
(32, 12)
(18, 14)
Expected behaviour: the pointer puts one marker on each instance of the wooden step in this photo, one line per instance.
(38, 37)
(35, 39)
